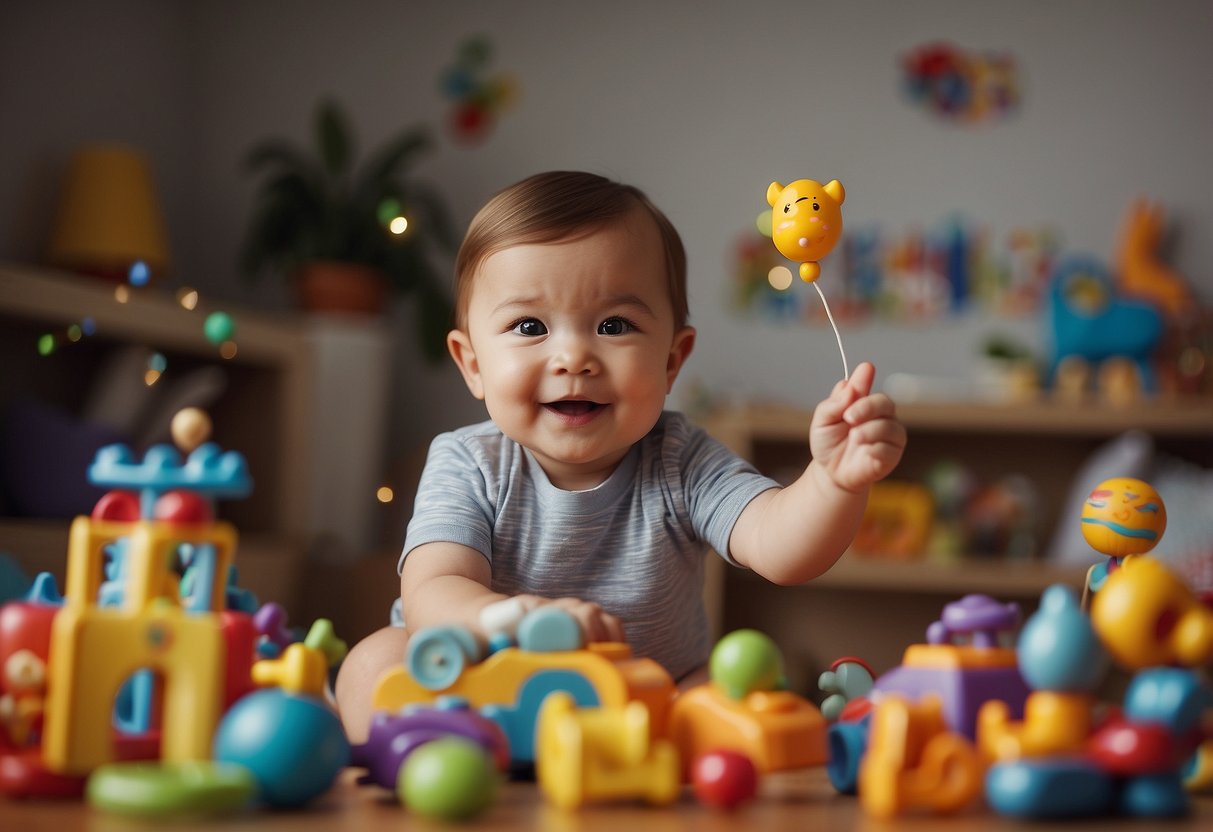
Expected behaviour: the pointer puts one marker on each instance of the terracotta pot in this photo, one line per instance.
(335, 286)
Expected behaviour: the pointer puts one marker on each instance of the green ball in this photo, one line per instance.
(745, 661)
(219, 327)
(449, 779)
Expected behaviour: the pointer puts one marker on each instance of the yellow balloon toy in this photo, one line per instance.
(806, 222)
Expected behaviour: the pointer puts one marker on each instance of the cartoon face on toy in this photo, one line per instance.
(806, 221)
(1123, 516)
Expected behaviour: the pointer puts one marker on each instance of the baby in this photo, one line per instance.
(581, 490)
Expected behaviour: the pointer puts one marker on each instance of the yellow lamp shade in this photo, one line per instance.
(109, 217)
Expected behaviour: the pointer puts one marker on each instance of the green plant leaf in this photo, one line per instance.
(388, 161)
(281, 154)
(318, 203)
(334, 139)
(434, 318)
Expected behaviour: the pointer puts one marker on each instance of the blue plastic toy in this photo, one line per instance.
(294, 745)
(1090, 320)
(1067, 787)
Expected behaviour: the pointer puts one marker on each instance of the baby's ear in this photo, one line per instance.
(773, 192)
(459, 345)
(680, 350)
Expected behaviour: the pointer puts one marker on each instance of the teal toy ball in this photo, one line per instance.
(294, 745)
(447, 779)
(745, 661)
(219, 327)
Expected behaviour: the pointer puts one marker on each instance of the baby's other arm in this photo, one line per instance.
(793, 534)
(448, 583)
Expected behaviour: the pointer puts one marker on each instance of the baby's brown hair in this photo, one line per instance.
(561, 205)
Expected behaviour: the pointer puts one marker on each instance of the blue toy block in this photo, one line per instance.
(1049, 788)
(45, 591)
(1153, 796)
(549, 630)
(847, 743)
(519, 720)
(207, 470)
(1170, 696)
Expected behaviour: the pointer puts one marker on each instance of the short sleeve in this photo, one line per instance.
(717, 484)
(452, 502)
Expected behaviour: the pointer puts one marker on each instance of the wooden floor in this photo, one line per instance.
(801, 801)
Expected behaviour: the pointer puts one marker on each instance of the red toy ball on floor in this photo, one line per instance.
(724, 779)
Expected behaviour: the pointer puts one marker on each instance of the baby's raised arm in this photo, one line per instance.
(793, 534)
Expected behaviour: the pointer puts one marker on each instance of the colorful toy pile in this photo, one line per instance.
(157, 689)
(138, 685)
(1024, 726)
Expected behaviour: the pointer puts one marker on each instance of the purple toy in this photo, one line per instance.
(393, 737)
(273, 634)
(962, 684)
(978, 616)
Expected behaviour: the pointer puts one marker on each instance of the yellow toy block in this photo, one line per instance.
(914, 761)
(777, 730)
(593, 754)
(1053, 723)
(94, 651)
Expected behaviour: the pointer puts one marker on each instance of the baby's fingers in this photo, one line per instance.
(870, 408)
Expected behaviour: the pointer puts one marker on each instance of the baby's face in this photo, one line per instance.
(572, 346)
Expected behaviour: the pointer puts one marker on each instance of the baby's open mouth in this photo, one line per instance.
(578, 407)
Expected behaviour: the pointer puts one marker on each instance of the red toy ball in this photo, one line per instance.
(724, 779)
(182, 507)
(118, 506)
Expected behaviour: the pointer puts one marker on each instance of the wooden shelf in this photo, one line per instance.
(740, 426)
(271, 374)
(1002, 578)
(57, 297)
(745, 428)
(265, 409)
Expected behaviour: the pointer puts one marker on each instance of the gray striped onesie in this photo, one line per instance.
(634, 544)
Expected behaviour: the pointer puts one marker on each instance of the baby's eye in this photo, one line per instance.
(816, 207)
(530, 328)
(615, 326)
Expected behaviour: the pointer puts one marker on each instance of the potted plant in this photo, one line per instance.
(347, 232)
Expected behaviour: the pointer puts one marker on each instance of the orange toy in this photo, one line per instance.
(914, 762)
(1143, 274)
(776, 729)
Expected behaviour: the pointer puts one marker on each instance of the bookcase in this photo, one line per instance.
(874, 606)
(264, 412)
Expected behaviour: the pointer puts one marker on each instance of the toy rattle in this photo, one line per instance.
(806, 222)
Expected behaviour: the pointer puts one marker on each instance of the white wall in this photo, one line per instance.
(699, 104)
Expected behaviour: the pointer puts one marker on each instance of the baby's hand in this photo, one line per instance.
(596, 623)
(855, 436)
